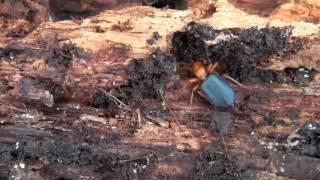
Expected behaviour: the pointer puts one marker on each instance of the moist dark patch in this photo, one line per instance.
(63, 57)
(220, 122)
(293, 114)
(240, 52)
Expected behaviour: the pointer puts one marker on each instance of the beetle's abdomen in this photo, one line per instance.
(218, 91)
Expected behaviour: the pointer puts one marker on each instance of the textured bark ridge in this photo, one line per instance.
(99, 89)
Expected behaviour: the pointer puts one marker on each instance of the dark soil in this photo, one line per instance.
(240, 53)
(306, 140)
(172, 4)
(63, 56)
(149, 76)
(212, 165)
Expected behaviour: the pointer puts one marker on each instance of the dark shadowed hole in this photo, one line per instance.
(172, 4)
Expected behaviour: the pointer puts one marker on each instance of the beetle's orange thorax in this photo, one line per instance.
(199, 71)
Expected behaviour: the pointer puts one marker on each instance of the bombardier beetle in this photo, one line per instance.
(216, 90)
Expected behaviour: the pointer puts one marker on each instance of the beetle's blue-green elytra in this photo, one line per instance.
(218, 91)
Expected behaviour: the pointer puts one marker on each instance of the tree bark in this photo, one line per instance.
(45, 137)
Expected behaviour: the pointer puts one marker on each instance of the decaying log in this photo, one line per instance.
(51, 128)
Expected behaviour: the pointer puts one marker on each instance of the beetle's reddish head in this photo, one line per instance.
(199, 70)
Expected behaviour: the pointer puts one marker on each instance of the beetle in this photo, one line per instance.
(216, 90)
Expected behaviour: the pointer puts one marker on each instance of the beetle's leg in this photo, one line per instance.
(201, 94)
(191, 81)
(211, 67)
(192, 94)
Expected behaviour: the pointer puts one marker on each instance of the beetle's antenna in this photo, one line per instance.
(207, 54)
(235, 81)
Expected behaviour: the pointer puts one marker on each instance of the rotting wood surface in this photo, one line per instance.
(49, 128)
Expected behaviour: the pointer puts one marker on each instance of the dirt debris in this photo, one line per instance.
(202, 31)
(16, 32)
(61, 57)
(149, 76)
(253, 46)
(212, 164)
(40, 91)
(63, 154)
(242, 54)
(187, 47)
(87, 150)
(122, 26)
(155, 37)
(29, 92)
(10, 52)
(162, 113)
(249, 46)
(305, 140)
(113, 107)
(23, 15)
(147, 81)
(300, 75)
(58, 56)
